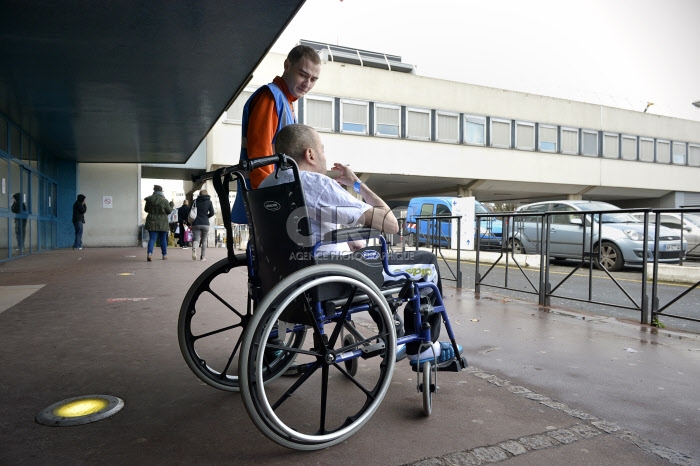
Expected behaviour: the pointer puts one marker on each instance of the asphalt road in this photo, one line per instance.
(618, 294)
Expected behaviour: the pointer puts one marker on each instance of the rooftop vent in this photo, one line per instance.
(359, 57)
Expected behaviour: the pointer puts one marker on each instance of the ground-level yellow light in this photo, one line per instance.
(80, 410)
(81, 407)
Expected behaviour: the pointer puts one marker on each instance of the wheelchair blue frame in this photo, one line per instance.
(382, 305)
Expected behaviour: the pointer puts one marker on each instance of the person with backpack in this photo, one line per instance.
(158, 209)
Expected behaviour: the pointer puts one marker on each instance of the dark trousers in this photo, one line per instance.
(78, 242)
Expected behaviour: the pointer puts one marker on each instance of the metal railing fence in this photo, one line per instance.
(589, 254)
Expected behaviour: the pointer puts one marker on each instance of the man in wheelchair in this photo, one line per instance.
(330, 206)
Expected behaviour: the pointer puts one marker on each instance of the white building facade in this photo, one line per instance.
(408, 135)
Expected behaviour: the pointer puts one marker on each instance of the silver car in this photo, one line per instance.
(690, 224)
(621, 234)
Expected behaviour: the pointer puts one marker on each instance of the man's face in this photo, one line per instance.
(320, 155)
(301, 76)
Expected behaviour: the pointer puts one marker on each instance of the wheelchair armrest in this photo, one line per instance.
(351, 234)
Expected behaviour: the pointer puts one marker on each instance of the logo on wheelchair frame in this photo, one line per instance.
(272, 206)
(370, 254)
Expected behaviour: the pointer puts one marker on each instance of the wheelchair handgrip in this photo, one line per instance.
(351, 234)
(252, 164)
(248, 165)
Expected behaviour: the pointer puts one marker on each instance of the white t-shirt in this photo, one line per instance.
(329, 205)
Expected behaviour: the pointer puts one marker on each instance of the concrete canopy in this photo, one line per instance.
(131, 81)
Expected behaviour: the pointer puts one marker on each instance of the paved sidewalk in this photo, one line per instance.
(542, 387)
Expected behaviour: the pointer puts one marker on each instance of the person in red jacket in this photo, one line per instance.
(270, 109)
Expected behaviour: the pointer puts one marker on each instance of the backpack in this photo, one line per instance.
(172, 218)
(193, 212)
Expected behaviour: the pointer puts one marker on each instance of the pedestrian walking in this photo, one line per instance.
(79, 209)
(158, 209)
(200, 225)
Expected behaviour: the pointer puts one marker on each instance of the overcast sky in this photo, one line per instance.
(622, 53)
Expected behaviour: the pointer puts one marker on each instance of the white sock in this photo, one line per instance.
(427, 354)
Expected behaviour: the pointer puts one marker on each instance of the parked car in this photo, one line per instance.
(440, 233)
(690, 226)
(621, 234)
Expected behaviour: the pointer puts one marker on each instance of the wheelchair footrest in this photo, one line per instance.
(372, 350)
(451, 365)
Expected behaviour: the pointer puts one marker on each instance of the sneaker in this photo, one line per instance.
(165, 258)
(295, 370)
(443, 353)
(203, 259)
(401, 352)
(426, 354)
(148, 258)
(194, 254)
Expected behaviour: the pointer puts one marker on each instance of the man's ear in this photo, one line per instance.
(309, 156)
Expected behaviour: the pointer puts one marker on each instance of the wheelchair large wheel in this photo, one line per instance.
(211, 323)
(325, 404)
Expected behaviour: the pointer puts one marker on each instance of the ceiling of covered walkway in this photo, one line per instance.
(129, 81)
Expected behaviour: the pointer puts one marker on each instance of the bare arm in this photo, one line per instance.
(380, 216)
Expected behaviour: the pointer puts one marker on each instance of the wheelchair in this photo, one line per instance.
(313, 344)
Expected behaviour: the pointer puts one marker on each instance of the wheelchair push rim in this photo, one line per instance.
(270, 406)
(211, 325)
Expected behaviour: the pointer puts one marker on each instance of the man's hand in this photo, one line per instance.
(347, 177)
(356, 245)
(380, 217)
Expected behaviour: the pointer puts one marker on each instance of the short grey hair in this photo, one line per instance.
(294, 139)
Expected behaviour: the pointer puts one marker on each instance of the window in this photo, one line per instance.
(663, 151)
(443, 210)
(524, 135)
(611, 146)
(3, 135)
(563, 219)
(14, 142)
(25, 147)
(589, 143)
(646, 149)
(569, 141)
(234, 114)
(629, 148)
(536, 209)
(474, 130)
(548, 138)
(318, 112)
(694, 155)
(500, 133)
(418, 124)
(447, 127)
(387, 120)
(670, 221)
(4, 196)
(33, 155)
(354, 117)
(679, 153)
(426, 210)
